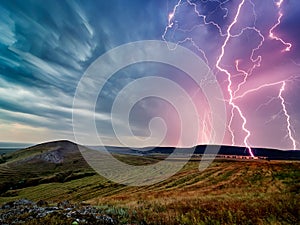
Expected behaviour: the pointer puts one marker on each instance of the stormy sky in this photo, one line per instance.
(46, 46)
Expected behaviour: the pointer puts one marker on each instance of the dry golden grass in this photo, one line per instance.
(228, 192)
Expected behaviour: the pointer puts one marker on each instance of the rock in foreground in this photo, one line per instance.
(27, 212)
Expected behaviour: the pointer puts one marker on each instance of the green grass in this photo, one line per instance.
(228, 192)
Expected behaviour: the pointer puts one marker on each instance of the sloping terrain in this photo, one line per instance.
(50, 162)
(228, 192)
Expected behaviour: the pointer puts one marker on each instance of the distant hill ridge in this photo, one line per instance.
(271, 154)
(241, 151)
(56, 151)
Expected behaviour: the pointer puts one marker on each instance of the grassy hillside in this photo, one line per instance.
(228, 192)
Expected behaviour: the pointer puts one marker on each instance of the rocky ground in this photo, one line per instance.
(27, 212)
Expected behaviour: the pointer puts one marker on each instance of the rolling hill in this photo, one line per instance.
(227, 192)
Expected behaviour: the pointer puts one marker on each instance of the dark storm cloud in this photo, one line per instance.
(47, 45)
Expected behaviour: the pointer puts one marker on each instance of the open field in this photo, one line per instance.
(228, 192)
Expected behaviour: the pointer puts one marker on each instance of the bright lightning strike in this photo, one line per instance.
(271, 33)
(257, 89)
(227, 36)
(279, 3)
(229, 87)
(287, 115)
(171, 16)
(283, 105)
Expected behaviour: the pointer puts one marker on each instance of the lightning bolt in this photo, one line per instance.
(172, 14)
(234, 93)
(257, 89)
(229, 87)
(171, 23)
(288, 118)
(205, 136)
(204, 19)
(283, 105)
(256, 61)
(271, 33)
